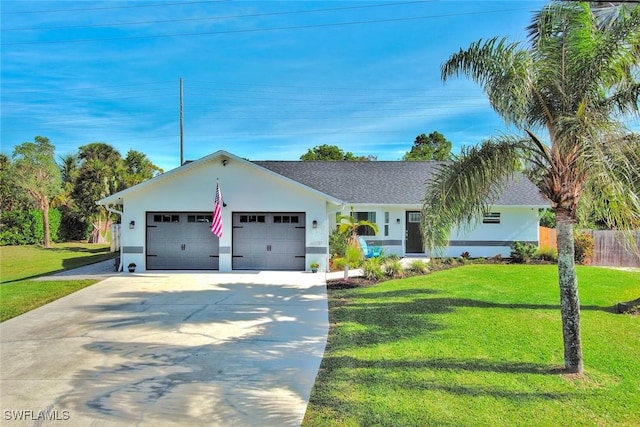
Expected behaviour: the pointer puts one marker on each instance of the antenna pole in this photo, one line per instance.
(181, 125)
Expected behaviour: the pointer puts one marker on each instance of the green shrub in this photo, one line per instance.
(394, 269)
(338, 263)
(419, 266)
(583, 244)
(338, 243)
(73, 227)
(547, 253)
(547, 219)
(354, 256)
(372, 269)
(16, 226)
(38, 226)
(20, 227)
(392, 257)
(522, 253)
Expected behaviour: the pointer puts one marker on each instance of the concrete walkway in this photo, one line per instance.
(167, 349)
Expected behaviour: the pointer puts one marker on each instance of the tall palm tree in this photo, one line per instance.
(571, 81)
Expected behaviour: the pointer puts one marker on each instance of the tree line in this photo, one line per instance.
(44, 199)
(425, 147)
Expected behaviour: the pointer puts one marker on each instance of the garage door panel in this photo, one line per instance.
(181, 241)
(274, 241)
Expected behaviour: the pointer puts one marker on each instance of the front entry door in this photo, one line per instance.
(413, 236)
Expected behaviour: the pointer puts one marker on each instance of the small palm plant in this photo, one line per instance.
(349, 224)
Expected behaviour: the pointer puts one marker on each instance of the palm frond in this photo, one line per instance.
(462, 190)
(613, 189)
(501, 68)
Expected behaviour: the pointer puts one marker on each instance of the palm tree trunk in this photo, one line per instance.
(569, 301)
(45, 223)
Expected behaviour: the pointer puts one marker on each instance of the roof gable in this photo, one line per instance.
(190, 166)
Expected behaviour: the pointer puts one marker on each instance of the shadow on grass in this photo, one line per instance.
(70, 264)
(442, 305)
(406, 383)
(84, 249)
(448, 364)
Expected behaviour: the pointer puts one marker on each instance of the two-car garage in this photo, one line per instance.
(260, 241)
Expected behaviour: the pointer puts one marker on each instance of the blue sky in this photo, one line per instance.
(264, 80)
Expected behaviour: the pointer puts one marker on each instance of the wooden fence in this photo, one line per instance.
(611, 248)
(548, 238)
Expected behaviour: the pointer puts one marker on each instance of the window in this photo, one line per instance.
(285, 219)
(365, 216)
(166, 218)
(414, 217)
(386, 223)
(491, 218)
(252, 218)
(200, 218)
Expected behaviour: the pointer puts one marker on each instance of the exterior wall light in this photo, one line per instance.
(397, 220)
(132, 225)
(314, 224)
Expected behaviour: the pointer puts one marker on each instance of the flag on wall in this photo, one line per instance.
(216, 223)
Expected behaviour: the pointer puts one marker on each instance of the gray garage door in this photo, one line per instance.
(268, 241)
(181, 241)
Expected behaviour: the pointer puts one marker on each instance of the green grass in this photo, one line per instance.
(24, 262)
(478, 345)
(25, 295)
(18, 263)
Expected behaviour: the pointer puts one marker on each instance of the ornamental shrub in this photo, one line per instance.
(419, 266)
(338, 263)
(522, 253)
(338, 243)
(394, 269)
(583, 243)
(372, 269)
(547, 253)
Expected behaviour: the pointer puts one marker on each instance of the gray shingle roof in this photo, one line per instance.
(385, 182)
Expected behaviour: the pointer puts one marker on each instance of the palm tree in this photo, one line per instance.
(349, 226)
(571, 81)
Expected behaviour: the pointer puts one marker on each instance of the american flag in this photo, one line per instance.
(216, 224)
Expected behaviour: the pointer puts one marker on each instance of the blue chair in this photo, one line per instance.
(369, 251)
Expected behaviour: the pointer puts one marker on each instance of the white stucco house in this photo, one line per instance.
(277, 215)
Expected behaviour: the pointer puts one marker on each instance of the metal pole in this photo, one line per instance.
(181, 125)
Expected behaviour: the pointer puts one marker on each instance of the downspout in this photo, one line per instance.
(110, 210)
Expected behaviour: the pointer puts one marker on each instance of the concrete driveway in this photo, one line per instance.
(168, 349)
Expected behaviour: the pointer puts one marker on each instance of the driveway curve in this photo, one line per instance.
(165, 349)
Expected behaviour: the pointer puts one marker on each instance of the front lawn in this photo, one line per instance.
(478, 345)
(24, 262)
(18, 296)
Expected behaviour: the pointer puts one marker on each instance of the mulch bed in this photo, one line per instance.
(351, 282)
